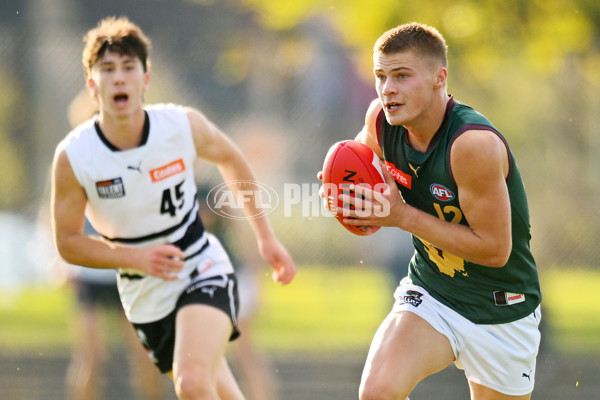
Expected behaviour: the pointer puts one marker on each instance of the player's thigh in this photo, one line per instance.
(201, 335)
(405, 350)
(479, 392)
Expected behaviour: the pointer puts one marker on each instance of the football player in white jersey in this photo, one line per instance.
(129, 170)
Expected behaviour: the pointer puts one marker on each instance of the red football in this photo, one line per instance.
(350, 162)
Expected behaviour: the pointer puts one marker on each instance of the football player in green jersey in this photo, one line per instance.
(472, 292)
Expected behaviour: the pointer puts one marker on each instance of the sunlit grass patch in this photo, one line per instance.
(35, 319)
(571, 307)
(325, 309)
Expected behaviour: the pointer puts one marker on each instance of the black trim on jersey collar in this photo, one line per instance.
(112, 147)
(436, 138)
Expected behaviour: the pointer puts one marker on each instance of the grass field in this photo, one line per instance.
(325, 309)
(571, 307)
(36, 319)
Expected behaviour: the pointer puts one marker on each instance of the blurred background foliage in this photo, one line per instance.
(532, 67)
(286, 79)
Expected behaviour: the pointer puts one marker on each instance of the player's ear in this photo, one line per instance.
(91, 85)
(146, 80)
(441, 76)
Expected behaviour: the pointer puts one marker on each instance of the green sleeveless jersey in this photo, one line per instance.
(484, 295)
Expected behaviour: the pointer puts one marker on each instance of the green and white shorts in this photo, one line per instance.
(501, 357)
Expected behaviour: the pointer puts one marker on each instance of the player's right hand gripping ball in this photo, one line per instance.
(350, 162)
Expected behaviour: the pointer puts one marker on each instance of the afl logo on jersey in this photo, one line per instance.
(441, 192)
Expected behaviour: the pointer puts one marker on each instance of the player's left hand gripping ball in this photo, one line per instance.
(350, 163)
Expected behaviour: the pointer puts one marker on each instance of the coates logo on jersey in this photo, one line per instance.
(441, 192)
(166, 171)
(400, 177)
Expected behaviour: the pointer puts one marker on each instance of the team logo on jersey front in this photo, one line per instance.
(441, 192)
(110, 189)
(166, 171)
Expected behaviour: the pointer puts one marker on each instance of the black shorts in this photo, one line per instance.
(158, 337)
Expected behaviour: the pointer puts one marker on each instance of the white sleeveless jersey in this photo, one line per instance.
(146, 196)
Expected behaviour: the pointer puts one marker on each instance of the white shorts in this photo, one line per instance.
(249, 291)
(501, 357)
(147, 298)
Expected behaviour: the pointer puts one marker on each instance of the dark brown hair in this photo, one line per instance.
(118, 35)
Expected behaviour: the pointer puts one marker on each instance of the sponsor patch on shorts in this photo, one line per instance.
(412, 297)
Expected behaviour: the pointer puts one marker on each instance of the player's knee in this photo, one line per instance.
(193, 385)
(375, 393)
(373, 389)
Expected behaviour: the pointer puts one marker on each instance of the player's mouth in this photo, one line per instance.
(390, 107)
(120, 99)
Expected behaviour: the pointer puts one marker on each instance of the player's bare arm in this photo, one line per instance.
(215, 147)
(479, 162)
(368, 135)
(68, 206)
